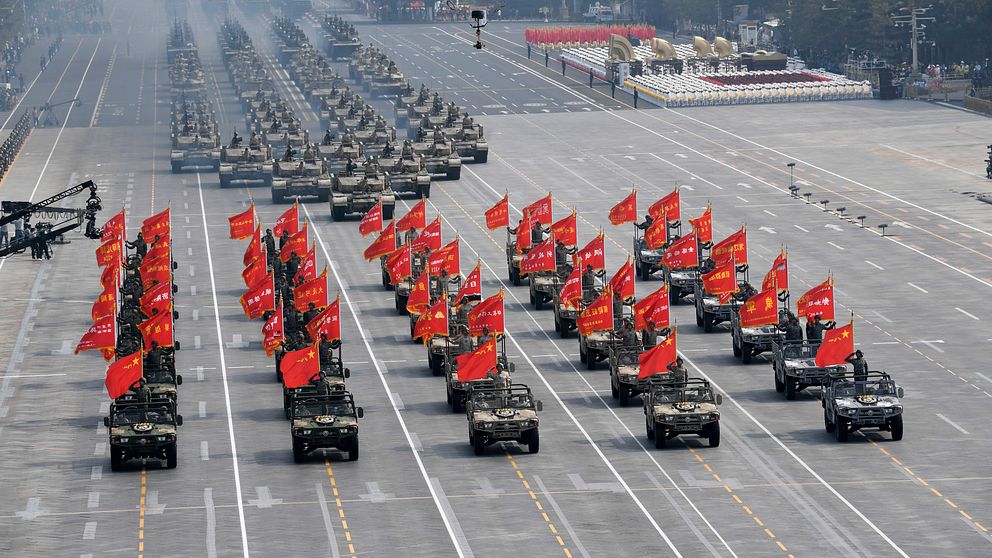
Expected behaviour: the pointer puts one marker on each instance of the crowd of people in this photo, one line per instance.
(12, 145)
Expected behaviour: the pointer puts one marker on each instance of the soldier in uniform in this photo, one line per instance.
(322, 383)
(310, 314)
(648, 221)
(857, 360)
(407, 152)
(815, 329)
(793, 331)
(287, 155)
(537, 233)
(562, 253)
(141, 390)
(153, 359)
(270, 243)
(588, 284)
(679, 375)
(283, 239)
(235, 140)
(649, 336)
(387, 150)
(139, 245)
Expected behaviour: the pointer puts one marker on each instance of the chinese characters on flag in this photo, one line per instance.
(498, 215)
(837, 345)
(818, 301)
(761, 309)
(475, 365)
(625, 211)
(242, 224)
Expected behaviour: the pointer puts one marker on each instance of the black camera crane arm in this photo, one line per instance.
(27, 211)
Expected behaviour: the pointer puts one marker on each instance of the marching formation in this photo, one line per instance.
(195, 136)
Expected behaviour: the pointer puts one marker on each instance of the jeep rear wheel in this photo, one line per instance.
(895, 425)
(707, 323)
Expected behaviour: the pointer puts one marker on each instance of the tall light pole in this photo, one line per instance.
(914, 19)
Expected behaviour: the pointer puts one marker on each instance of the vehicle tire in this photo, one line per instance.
(644, 271)
(324, 196)
(827, 425)
(737, 347)
(843, 429)
(714, 435)
(224, 181)
(387, 212)
(171, 457)
(539, 302)
(533, 300)
(699, 319)
(779, 385)
(298, 455)
(116, 459)
(614, 387)
(647, 428)
(563, 332)
(582, 353)
(557, 322)
(400, 304)
(353, 450)
(895, 426)
(337, 213)
(707, 323)
(660, 437)
(515, 277)
(479, 446)
(590, 361)
(534, 442)
(177, 167)
(448, 391)
(457, 406)
(624, 395)
(747, 351)
(791, 386)
(277, 197)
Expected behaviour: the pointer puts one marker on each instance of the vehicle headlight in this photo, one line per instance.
(628, 378)
(302, 432)
(895, 409)
(167, 438)
(715, 415)
(483, 425)
(119, 439)
(668, 418)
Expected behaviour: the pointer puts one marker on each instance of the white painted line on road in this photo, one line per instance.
(93, 500)
(203, 409)
(447, 516)
(100, 448)
(917, 287)
(952, 423)
(800, 228)
(886, 343)
(223, 372)
(769, 212)
(28, 376)
(970, 315)
(931, 161)
(96, 472)
(89, 531)
(984, 377)
(204, 451)
(742, 199)
(835, 246)
(332, 539)
(875, 265)
(880, 316)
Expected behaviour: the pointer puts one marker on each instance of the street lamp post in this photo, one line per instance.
(914, 19)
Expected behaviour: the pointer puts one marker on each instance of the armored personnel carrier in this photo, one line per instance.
(406, 172)
(357, 192)
(672, 410)
(503, 414)
(852, 403)
(439, 156)
(324, 421)
(143, 430)
(341, 37)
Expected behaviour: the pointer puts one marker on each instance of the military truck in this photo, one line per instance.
(458, 392)
(162, 382)
(513, 259)
(851, 403)
(595, 347)
(749, 342)
(195, 152)
(565, 316)
(300, 177)
(403, 288)
(143, 430)
(324, 421)
(359, 192)
(646, 261)
(243, 165)
(336, 376)
(503, 415)
(681, 282)
(795, 369)
(671, 410)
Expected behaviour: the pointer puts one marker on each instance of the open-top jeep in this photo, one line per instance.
(795, 367)
(503, 414)
(674, 409)
(853, 402)
(143, 430)
(324, 421)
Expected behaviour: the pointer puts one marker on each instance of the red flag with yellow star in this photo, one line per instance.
(299, 367)
(656, 360)
(475, 365)
(837, 345)
(123, 374)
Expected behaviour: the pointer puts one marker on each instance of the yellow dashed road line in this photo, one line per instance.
(537, 503)
(337, 502)
(141, 513)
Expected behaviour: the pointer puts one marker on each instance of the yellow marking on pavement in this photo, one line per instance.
(540, 508)
(337, 502)
(141, 513)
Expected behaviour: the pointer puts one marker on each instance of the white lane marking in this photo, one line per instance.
(742, 199)
(208, 503)
(223, 373)
(970, 315)
(28, 376)
(984, 377)
(462, 552)
(800, 228)
(835, 246)
(931, 161)
(89, 531)
(769, 212)
(875, 265)
(952, 423)
(917, 287)
(203, 409)
(332, 539)
(877, 313)
(204, 451)
(93, 500)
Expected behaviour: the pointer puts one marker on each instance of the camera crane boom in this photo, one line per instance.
(24, 210)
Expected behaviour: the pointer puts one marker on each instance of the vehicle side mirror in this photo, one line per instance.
(106, 421)
(175, 314)
(179, 420)
(539, 405)
(719, 399)
(179, 379)
(900, 393)
(176, 343)
(347, 373)
(513, 367)
(175, 288)
(360, 412)
(175, 266)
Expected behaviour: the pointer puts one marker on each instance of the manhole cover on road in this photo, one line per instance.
(493, 106)
(535, 104)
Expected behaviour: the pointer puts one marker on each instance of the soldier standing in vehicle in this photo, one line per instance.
(322, 383)
(537, 233)
(815, 329)
(270, 243)
(649, 336)
(153, 359)
(283, 239)
(857, 360)
(793, 331)
(562, 252)
(648, 221)
(588, 284)
(411, 235)
(679, 375)
(310, 314)
(139, 245)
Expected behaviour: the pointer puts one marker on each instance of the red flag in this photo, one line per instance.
(157, 224)
(299, 367)
(656, 360)
(681, 254)
(312, 291)
(623, 281)
(101, 335)
(384, 245)
(593, 254)
(837, 345)
(475, 365)
(523, 233)
(498, 215)
(565, 230)
(540, 210)
(416, 218)
(111, 275)
(420, 295)
(160, 249)
(106, 303)
(156, 270)
(255, 271)
(254, 250)
(289, 221)
(722, 280)
(242, 224)
(735, 244)
(157, 328)
(540, 258)
(761, 309)
(657, 234)
(430, 237)
(445, 260)
(308, 267)
(297, 243)
(159, 296)
(398, 265)
(667, 208)
(778, 275)
(571, 291)
(471, 287)
(598, 316)
(372, 220)
(652, 308)
(433, 322)
(487, 315)
(328, 322)
(114, 228)
(272, 332)
(625, 211)
(818, 301)
(703, 225)
(123, 374)
(109, 252)
(259, 298)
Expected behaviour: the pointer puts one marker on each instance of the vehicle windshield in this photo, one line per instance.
(314, 408)
(136, 414)
(797, 350)
(493, 401)
(694, 394)
(158, 376)
(873, 386)
(628, 358)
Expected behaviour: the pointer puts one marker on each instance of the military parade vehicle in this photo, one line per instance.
(340, 36)
(712, 309)
(324, 422)
(469, 138)
(289, 38)
(795, 369)
(646, 261)
(441, 160)
(296, 177)
(241, 165)
(672, 410)
(749, 342)
(681, 282)
(143, 430)
(624, 369)
(334, 373)
(544, 285)
(280, 139)
(513, 259)
(386, 80)
(457, 393)
(406, 172)
(180, 41)
(852, 403)
(337, 154)
(161, 381)
(425, 118)
(359, 191)
(503, 414)
(441, 349)
(195, 151)
(406, 100)
(565, 315)
(186, 75)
